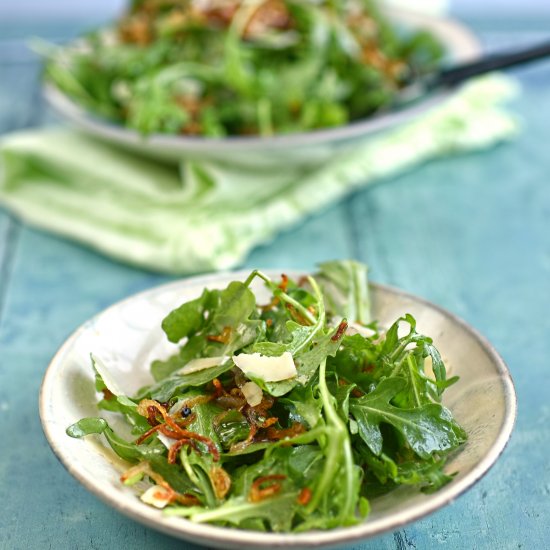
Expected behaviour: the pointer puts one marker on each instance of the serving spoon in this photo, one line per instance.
(453, 76)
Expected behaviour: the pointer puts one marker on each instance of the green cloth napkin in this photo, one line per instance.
(209, 215)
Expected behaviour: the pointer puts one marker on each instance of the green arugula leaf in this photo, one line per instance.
(231, 427)
(341, 392)
(172, 475)
(218, 323)
(163, 369)
(249, 449)
(124, 449)
(187, 319)
(87, 426)
(356, 361)
(369, 407)
(303, 406)
(197, 467)
(428, 429)
(166, 389)
(277, 512)
(205, 415)
(430, 477)
(124, 405)
(345, 289)
(428, 474)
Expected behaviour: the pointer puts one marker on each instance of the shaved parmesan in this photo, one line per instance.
(157, 496)
(165, 440)
(108, 380)
(269, 369)
(356, 328)
(177, 407)
(196, 365)
(252, 393)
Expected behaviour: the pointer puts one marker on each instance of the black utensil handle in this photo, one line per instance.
(450, 77)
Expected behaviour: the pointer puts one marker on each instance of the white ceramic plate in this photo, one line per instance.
(459, 42)
(128, 334)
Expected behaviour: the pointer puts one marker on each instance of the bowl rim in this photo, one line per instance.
(451, 28)
(224, 537)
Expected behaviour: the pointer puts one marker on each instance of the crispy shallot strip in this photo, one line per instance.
(146, 407)
(274, 434)
(269, 15)
(187, 420)
(107, 394)
(223, 338)
(269, 422)
(231, 402)
(297, 316)
(218, 388)
(256, 418)
(254, 426)
(241, 445)
(259, 493)
(221, 481)
(356, 392)
(283, 285)
(340, 331)
(198, 400)
(141, 468)
(147, 434)
(305, 496)
(173, 452)
(185, 434)
(173, 496)
(274, 303)
(171, 429)
(136, 29)
(152, 416)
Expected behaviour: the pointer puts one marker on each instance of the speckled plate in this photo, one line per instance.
(128, 335)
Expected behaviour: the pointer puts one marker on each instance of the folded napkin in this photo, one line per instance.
(208, 215)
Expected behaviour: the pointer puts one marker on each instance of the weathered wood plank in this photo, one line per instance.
(20, 105)
(309, 243)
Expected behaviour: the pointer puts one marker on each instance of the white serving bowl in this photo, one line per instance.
(128, 336)
(299, 148)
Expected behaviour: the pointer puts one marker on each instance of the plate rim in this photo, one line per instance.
(233, 537)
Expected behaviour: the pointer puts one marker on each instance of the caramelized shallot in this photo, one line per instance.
(259, 493)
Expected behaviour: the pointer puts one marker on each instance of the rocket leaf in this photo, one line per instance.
(427, 429)
(363, 414)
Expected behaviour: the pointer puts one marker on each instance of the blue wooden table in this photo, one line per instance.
(471, 233)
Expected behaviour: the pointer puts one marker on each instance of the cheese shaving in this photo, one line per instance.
(252, 393)
(196, 365)
(156, 496)
(268, 369)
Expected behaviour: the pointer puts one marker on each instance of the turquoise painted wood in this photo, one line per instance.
(471, 233)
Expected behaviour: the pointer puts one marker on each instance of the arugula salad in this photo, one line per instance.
(287, 415)
(220, 68)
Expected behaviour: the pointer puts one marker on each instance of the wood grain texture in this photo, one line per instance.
(471, 233)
